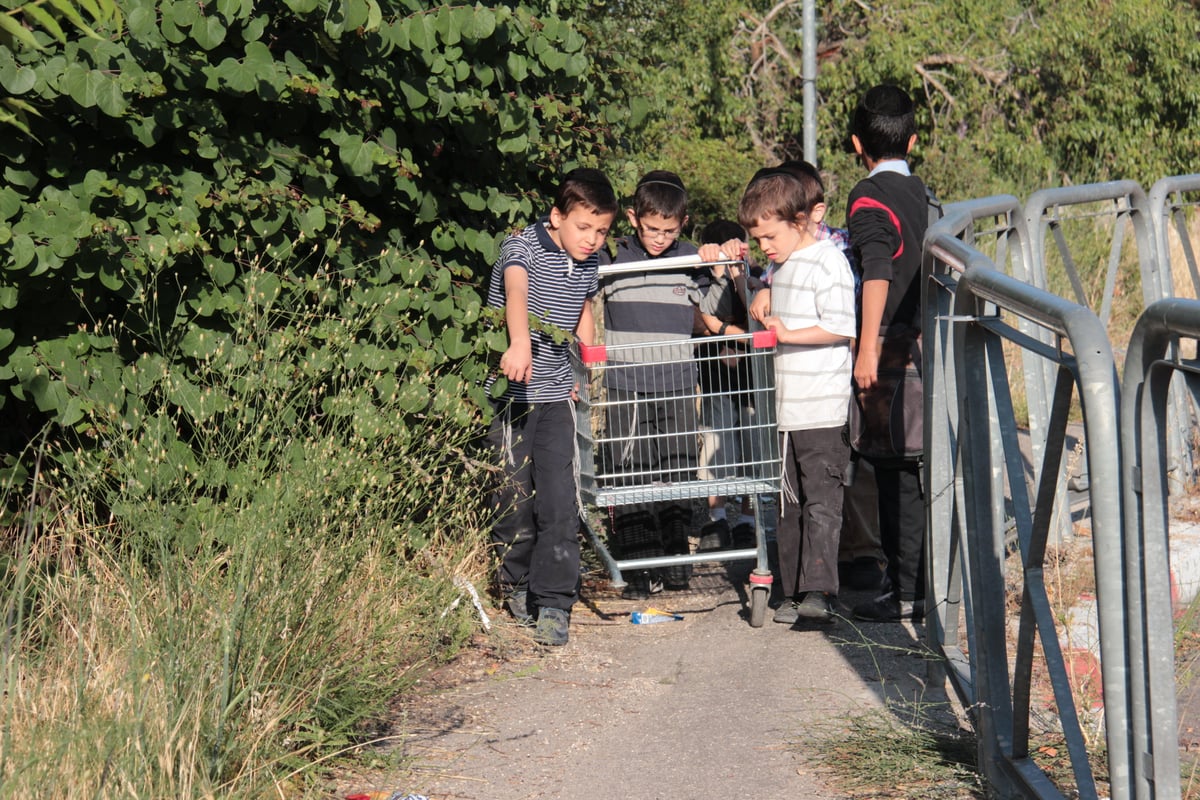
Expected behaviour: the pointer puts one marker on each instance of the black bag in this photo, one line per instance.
(887, 421)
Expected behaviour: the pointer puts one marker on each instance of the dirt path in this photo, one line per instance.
(703, 707)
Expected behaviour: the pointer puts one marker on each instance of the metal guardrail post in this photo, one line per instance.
(945, 507)
(1168, 208)
(1045, 211)
(1146, 391)
(1001, 708)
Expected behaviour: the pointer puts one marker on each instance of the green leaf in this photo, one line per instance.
(356, 13)
(43, 19)
(91, 88)
(10, 202)
(517, 66)
(209, 32)
(111, 278)
(454, 345)
(357, 155)
(237, 75)
(313, 221)
(414, 98)
(23, 250)
(143, 21)
(222, 272)
(482, 23)
(18, 32)
(516, 144)
(16, 78)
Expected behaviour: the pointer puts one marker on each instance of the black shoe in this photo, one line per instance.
(890, 608)
(788, 613)
(641, 585)
(714, 536)
(743, 536)
(866, 574)
(675, 523)
(815, 607)
(552, 627)
(517, 604)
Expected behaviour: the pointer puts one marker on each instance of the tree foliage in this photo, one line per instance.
(183, 162)
(1012, 96)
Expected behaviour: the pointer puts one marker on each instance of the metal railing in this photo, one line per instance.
(978, 443)
(1147, 386)
(991, 519)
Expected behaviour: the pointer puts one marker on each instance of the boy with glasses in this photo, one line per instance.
(652, 410)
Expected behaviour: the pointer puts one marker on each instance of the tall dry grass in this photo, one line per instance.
(220, 605)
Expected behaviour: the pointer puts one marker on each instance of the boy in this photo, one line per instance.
(549, 271)
(652, 411)
(812, 303)
(726, 407)
(888, 215)
(860, 555)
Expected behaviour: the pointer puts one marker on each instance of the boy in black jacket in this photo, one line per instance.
(887, 218)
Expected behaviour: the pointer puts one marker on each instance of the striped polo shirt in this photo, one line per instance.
(558, 288)
(814, 287)
(656, 309)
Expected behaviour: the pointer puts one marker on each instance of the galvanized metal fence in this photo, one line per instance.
(992, 520)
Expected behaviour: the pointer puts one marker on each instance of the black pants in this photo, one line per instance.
(902, 526)
(535, 535)
(807, 534)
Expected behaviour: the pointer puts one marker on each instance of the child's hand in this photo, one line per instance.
(866, 368)
(760, 306)
(735, 249)
(711, 252)
(517, 362)
(783, 333)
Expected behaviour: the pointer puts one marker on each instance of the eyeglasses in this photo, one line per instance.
(660, 233)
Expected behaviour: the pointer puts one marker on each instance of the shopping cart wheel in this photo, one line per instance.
(760, 593)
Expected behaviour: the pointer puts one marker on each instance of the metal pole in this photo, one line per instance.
(809, 70)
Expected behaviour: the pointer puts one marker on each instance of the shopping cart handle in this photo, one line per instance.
(764, 339)
(593, 353)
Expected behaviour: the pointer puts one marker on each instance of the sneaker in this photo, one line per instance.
(551, 627)
(743, 535)
(641, 585)
(890, 608)
(517, 604)
(815, 607)
(675, 522)
(714, 536)
(866, 574)
(788, 613)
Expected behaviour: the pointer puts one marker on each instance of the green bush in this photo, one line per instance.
(229, 588)
(242, 359)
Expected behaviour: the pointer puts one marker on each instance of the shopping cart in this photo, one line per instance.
(610, 471)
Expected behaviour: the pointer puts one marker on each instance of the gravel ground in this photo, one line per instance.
(702, 707)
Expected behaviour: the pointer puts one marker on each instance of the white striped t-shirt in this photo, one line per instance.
(814, 287)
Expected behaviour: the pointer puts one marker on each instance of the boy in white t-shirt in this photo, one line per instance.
(812, 313)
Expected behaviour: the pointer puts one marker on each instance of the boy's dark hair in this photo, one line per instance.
(588, 188)
(720, 231)
(780, 193)
(884, 122)
(661, 192)
(803, 168)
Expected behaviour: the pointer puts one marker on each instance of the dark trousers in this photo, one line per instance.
(535, 535)
(654, 439)
(814, 464)
(902, 526)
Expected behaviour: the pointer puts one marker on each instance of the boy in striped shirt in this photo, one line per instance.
(547, 271)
